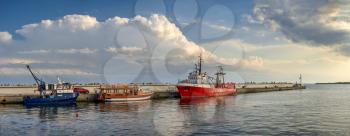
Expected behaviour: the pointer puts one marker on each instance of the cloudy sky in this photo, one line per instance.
(159, 41)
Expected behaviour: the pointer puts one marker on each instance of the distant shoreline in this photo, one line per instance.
(335, 83)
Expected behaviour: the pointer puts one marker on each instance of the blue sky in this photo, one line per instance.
(17, 13)
(158, 41)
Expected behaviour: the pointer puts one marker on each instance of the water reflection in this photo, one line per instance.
(207, 110)
(204, 100)
(188, 115)
(132, 106)
(50, 112)
(128, 118)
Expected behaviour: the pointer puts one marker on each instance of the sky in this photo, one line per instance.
(116, 41)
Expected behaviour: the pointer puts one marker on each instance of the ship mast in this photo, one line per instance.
(220, 80)
(200, 64)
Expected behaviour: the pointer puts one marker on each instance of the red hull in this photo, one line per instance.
(187, 91)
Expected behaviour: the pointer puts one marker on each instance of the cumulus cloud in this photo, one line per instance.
(82, 42)
(5, 37)
(69, 23)
(81, 47)
(314, 22)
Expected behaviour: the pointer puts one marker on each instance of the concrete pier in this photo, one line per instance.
(260, 90)
(15, 94)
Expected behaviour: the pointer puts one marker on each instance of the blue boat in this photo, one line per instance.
(58, 99)
(51, 94)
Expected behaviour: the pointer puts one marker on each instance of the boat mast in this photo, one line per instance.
(200, 63)
(220, 79)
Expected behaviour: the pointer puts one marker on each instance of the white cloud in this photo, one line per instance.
(125, 50)
(218, 27)
(83, 37)
(61, 51)
(249, 19)
(8, 61)
(314, 22)
(81, 45)
(5, 37)
(284, 62)
(79, 22)
(8, 71)
(255, 62)
(245, 28)
(70, 23)
(41, 51)
(75, 51)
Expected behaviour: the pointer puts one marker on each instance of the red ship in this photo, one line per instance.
(199, 84)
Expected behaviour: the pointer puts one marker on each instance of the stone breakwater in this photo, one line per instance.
(15, 94)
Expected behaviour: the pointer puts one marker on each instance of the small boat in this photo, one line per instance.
(51, 94)
(199, 84)
(122, 92)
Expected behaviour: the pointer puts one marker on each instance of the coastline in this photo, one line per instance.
(340, 83)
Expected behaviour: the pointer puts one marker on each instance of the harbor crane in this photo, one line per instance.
(40, 83)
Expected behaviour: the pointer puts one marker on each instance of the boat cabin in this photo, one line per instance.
(120, 91)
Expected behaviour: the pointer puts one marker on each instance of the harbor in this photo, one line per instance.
(270, 113)
(174, 68)
(197, 84)
(15, 94)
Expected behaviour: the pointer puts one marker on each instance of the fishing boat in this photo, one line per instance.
(51, 94)
(122, 92)
(200, 84)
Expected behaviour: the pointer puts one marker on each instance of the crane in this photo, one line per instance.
(39, 82)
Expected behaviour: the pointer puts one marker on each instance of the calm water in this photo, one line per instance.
(318, 110)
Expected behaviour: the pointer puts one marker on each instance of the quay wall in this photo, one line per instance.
(265, 85)
(15, 94)
(271, 89)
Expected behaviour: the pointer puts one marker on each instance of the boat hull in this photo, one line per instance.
(188, 91)
(128, 99)
(119, 98)
(66, 99)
